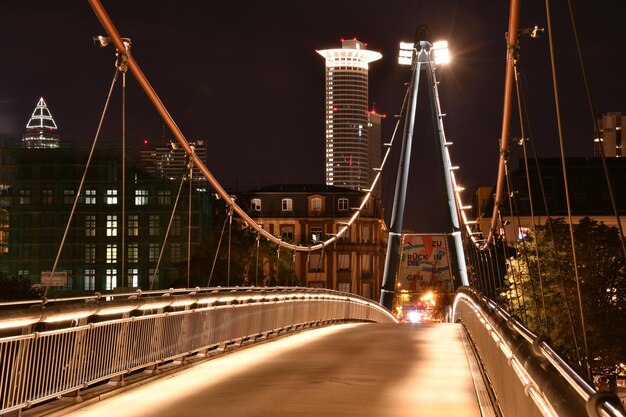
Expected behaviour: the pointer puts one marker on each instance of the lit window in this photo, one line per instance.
(133, 225)
(286, 232)
(90, 279)
(90, 226)
(317, 233)
(111, 253)
(111, 225)
(111, 279)
(141, 197)
(177, 227)
(90, 196)
(133, 253)
(287, 204)
(343, 204)
(133, 277)
(316, 204)
(111, 197)
(154, 226)
(255, 204)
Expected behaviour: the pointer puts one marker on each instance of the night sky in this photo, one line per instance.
(245, 76)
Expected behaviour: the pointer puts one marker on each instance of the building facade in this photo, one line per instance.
(103, 251)
(306, 214)
(350, 157)
(611, 125)
(166, 159)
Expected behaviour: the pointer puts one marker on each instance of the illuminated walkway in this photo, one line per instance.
(349, 370)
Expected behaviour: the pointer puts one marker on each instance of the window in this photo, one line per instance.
(176, 229)
(141, 197)
(286, 232)
(68, 196)
(175, 252)
(90, 226)
(90, 253)
(110, 279)
(317, 233)
(133, 225)
(343, 286)
(343, 262)
(90, 196)
(164, 197)
(133, 253)
(133, 277)
(47, 196)
(90, 280)
(343, 204)
(316, 204)
(112, 225)
(111, 253)
(153, 252)
(111, 197)
(287, 204)
(154, 229)
(24, 196)
(316, 262)
(255, 204)
(366, 266)
(23, 273)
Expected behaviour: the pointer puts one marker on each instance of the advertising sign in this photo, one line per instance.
(424, 264)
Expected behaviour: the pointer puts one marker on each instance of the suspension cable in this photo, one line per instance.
(82, 180)
(566, 186)
(550, 225)
(189, 223)
(123, 229)
(219, 244)
(530, 193)
(596, 129)
(167, 232)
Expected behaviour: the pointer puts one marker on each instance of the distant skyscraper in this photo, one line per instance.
(349, 157)
(41, 129)
(168, 160)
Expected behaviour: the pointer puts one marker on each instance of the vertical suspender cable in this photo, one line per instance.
(189, 223)
(565, 184)
(123, 229)
(82, 180)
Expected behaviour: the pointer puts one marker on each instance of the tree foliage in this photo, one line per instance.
(16, 288)
(241, 262)
(549, 303)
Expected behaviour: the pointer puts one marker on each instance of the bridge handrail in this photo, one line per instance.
(64, 349)
(529, 355)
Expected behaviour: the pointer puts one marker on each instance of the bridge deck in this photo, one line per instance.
(348, 370)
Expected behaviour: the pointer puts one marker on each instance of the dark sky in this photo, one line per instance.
(245, 76)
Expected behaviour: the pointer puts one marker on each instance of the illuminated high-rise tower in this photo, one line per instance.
(349, 159)
(41, 129)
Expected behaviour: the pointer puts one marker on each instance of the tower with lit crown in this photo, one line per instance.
(349, 158)
(41, 129)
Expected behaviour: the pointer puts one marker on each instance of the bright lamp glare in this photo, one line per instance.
(442, 54)
(405, 56)
(406, 46)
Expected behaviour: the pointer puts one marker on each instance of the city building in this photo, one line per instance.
(588, 191)
(306, 214)
(41, 129)
(352, 148)
(611, 125)
(102, 251)
(166, 159)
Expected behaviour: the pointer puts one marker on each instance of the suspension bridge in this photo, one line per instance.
(309, 351)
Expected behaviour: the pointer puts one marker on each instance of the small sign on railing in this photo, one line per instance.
(58, 279)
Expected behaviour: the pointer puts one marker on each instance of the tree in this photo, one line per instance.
(246, 265)
(16, 288)
(602, 282)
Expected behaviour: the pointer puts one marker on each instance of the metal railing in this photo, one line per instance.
(96, 340)
(546, 384)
